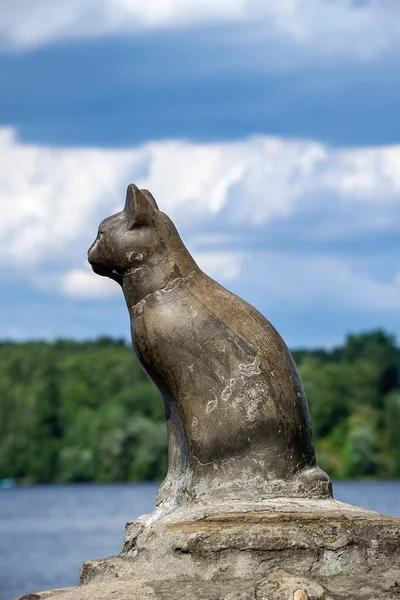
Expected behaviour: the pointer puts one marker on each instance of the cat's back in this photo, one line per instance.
(196, 324)
(220, 360)
(196, 307)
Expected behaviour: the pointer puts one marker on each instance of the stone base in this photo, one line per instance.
(277, 586)
(325, 548)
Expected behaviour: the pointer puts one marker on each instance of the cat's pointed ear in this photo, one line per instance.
(138, 209)
(150, 198)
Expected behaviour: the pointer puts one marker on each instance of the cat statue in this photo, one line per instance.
(237, 415)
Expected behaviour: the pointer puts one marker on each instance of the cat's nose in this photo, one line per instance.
(91, 251)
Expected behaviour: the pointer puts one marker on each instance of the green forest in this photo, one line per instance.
(85, 411)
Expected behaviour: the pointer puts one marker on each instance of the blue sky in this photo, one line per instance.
(268, 131)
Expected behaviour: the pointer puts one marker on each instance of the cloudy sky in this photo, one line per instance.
(269, 131)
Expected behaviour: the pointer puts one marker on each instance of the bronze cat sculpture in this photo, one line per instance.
(237, 415)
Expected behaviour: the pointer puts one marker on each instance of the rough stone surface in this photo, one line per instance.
(237, 415)
(318, 538)
(44, 594)
(372, 584)
(285, 586)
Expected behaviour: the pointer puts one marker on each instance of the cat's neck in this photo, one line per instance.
(146, 279)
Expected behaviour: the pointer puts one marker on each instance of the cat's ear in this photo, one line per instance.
(150, 198)
(138, 208)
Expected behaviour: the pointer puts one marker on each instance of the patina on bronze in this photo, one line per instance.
(237, 415)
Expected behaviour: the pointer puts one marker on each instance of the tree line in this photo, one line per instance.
(85, 411)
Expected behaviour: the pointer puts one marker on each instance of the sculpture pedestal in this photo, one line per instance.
(323, 545)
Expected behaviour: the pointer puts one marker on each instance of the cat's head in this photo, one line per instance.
(138, 235)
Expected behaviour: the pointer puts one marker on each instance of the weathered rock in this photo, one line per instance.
(285, 586)
(45, 594)
(300, 595)
(324, 548)
(321, 538)
(363, 585)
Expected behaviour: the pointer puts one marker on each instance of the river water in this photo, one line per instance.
(46, 532)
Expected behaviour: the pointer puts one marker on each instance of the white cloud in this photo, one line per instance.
(223, 266)
(49, 196)
(262, 177)
(52, 199)
(364, 174)
(344, 26)
(83, 283)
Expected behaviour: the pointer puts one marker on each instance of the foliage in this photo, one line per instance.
(354, 399)
(85, 411)
(74, 411)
